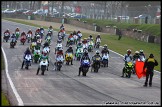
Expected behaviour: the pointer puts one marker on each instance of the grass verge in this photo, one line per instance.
(153, 29)
(118, 46)
(4, 99)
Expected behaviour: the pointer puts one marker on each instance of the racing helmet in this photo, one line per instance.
(97, 52)
(141, 51)
(136, 52)
(105, 46)
(129, 51)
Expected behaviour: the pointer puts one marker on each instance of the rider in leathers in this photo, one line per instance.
(25, 53)
(127, 58)
(43, 56)
(96, 56)
(84, 56)
(104, 50)
(70, 50)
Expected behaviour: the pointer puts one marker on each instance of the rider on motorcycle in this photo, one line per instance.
(96, 56)
(62, 26)
(59, 53)
(50, 29)
(7, 31)
(141, 54)
(46, 44)
(90, 38)
(98, 36)
(37, 31)
(23, 34)
(41, 28)
(43, 56)
(34, 39)
(136, 56)
(37, 47)
(74, 33)
(25, 53)
(30, 32)
(84, 41)
(71, 35)
(17, 30)
(105, 50)
(84, 56)
(79, 45)
(128, 57)
(13, 38)
(48, 34)
(79, 34)
(70, 50)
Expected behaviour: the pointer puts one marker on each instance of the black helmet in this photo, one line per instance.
(79, 43)
(90, 36)
(151, 55)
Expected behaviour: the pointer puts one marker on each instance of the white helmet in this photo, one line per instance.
(137, 52)
(97, 52)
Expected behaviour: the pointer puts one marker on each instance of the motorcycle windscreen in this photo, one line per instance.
(139, 69)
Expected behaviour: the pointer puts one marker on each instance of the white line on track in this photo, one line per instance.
(81, 77)
(20, 102)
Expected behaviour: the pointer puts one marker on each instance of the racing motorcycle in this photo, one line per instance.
(127, 70)
(12, 44)
(85, 67)
(43, 66)
(27, 62)
(6, 37)
(79, 53)
(29, 38)
(68, 58)
(98, 43)
(90, 46)
(59, 46)
(17, 35)
(59, 62)
(33, 44)
(42, 34)
(96, 64)
(105, 59)
(36, 55)
(23, 39)
(70, 41)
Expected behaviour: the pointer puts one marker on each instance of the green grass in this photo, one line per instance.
(27, 23)
(4, 99)
(153, 29)
(122, 45)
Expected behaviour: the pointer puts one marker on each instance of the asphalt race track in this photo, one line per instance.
(65, 87)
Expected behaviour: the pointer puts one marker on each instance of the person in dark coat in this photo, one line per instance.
(150, 63)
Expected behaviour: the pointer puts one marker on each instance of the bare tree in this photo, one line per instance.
(52, 6)
(62, 7)
(33, 7)
(39, 4)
